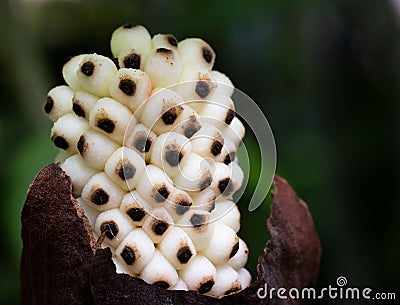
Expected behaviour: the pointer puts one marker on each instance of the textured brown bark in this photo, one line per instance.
(60, 265)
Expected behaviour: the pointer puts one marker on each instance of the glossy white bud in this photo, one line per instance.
(58, 102)
(69, 71)
(66, 132)
(78, 171)
(239, 260)
(199, 275)
(227, 212)
(157, 224)
(115, 225)
(223, 245)
(131, 87)
(95, 148)
(159, 272)
(195, 52)
(95, 73)
(135, 207)
(102, 193)
(135, 251)
(177, 248)
(128, 37)
(125, 167)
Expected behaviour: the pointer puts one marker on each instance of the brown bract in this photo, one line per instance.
(60, 264)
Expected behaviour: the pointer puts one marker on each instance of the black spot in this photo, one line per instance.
(81, 145)
(216, 148)
(78, 110)
(129, 25)
(159, 227)
(49, 104)
(206, 287)
(169, 116)
(136, 214)
(126, 171)
(127, 86)
(99, 197)
(232, 290)
(182, 207)
(164, 50)
(172, 40)
(106, 124)
(132, 61)
(184, 254)
(173, 157)
(128, 255)
(60, 142)
(87, 68)
(212, 206)
(229, 116)
(190, 131)
(235, 249)
(229, 158)
(110, 228)
(161, 284)
(205, 183)
(207, 54)
(225, 186)
(161, 194)
(197, 220)
(143, 144)
(202, 88)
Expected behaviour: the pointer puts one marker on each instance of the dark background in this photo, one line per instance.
(325, 73)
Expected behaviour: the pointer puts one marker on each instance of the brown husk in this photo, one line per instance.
(60, 263)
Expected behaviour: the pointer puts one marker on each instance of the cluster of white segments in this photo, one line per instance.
(149, 140)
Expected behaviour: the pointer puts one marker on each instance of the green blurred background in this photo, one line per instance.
(325, 73)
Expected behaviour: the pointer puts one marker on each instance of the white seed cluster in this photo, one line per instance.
(149, 140)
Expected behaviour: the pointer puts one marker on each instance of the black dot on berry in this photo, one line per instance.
(126, 170)
(207, 54)
(159, 227)
(173, 157)
(81, 145)
(216, 148)
(184, 254)
(110, 228)
(202, 88)
(229, 158)
(182, 207)
(206, 287)
(197, 220)
(99, 197)
(235, 249)
(132, 61)
(106, 124)
(60, 142)
(161, 194)
(78, 110)
(172, 40)
(136, 214)
(143, 144)
(87, 68)
(127, 86)
(49, 104)
(161, 284)
(205, 183)
(169, 116)
(128, 255)
(229, 116)
(225, 186)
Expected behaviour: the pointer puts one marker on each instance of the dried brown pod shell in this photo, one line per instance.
(61, 265)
